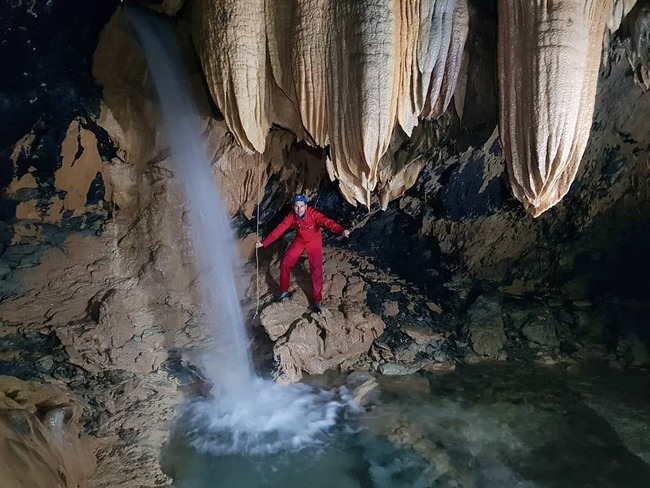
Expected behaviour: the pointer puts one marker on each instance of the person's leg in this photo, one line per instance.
(315, 256)
(289, 260)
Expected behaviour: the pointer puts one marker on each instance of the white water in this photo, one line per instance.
(215, 254)
(248, 415)
(265, 419)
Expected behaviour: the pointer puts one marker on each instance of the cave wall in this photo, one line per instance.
(464, 204)
(89, 156)
(461, 219)
(92, 241)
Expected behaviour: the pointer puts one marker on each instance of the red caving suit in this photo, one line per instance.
(308, 236)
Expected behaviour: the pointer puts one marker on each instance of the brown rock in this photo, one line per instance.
(323, 341)
(278, 317)
(488, 339)
(334, 289)
(39, 435)
(391, 308)
(354, 289)
(421, 336)
(406, 355)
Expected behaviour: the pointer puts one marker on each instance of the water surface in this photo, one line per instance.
(504, 425)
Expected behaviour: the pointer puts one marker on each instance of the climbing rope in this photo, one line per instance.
(257, 234)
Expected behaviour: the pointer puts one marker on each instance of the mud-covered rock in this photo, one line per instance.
(318, 342)
(486, 328)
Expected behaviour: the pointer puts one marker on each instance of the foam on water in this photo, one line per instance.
(266, 418)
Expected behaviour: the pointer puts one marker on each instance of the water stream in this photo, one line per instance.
(228, 364)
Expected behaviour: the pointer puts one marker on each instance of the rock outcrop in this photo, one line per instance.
(316, 342)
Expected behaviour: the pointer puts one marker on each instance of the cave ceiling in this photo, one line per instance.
(377, 85)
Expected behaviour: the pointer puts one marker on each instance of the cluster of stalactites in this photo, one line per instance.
(549, 53)
(343, 73)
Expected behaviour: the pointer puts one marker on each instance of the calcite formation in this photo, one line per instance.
(346, 74)
(40, 443)
(548, 58)
(620, 10)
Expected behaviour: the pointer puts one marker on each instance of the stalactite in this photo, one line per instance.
(548, 58)
(232, 36)
(353, 70)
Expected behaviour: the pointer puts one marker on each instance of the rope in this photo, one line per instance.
(257, 234)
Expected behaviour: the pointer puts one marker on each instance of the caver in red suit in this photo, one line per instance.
(307, 223)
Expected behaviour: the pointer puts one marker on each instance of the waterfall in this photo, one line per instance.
(215, 255)
(248, 415)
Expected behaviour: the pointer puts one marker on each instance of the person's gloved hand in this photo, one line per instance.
(346, 233)
(258, 244)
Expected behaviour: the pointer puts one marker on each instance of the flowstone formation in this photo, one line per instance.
(39, 437)
(350, 75)
(360, 77)
(548, 56)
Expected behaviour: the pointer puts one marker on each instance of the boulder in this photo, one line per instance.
(313, 343)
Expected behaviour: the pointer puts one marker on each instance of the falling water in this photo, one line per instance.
(248, 414)
(215, 253)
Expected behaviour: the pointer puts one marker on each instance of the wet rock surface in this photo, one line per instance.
(315, 342)
(122, 417)
(437, 336)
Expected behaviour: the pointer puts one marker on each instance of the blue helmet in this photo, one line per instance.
(300, 198)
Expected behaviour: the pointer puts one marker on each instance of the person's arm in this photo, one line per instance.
(278, 231)
(329, 224)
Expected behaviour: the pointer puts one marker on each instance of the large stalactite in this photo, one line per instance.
(232, 36)
(549, 53)
(344, 73)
